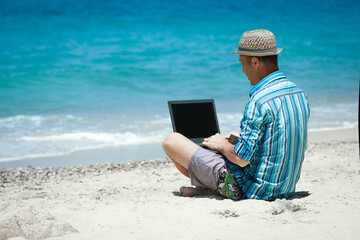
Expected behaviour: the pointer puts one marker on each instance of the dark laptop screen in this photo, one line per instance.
(194, 119)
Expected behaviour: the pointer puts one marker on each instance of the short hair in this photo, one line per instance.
(267, 60)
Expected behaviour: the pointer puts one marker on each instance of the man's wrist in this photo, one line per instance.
(227, 147)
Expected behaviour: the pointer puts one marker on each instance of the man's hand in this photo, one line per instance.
(215, 142)
(225, 145)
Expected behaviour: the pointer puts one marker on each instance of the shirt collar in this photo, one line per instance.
(269, 78)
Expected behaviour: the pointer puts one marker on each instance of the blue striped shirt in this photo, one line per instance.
(273, 138)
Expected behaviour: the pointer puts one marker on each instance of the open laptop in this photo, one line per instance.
(195, 119)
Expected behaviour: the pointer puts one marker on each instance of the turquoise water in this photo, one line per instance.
(89, 74)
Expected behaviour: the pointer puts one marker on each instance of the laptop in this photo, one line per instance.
(195, 119)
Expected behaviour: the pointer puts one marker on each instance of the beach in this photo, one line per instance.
(84, 89)
(140, 200)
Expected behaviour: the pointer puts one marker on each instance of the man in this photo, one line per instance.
(263, 160)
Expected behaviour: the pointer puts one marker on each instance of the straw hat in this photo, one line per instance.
(258, 43)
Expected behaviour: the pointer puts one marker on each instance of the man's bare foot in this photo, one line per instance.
(192, 192)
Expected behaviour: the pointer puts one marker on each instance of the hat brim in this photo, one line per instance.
(258, 53)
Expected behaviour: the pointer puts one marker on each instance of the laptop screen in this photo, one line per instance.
(194, 118)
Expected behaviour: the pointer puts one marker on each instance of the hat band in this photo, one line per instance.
(268, 50)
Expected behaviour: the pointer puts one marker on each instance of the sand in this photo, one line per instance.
(139, 200)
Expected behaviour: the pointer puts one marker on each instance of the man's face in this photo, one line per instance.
(247, 68)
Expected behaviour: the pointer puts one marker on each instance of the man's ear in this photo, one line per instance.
(255, 62)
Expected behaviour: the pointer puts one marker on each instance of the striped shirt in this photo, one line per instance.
(273, 138)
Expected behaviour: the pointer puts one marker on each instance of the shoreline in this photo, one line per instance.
(118, 154)
(133, 198)
(339, 134)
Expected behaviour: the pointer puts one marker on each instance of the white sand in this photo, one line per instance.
(139, 201)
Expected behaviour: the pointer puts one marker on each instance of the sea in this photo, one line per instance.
(91, 74)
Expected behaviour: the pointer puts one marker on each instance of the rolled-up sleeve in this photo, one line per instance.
(250, 131)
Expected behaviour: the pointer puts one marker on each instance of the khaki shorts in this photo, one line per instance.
(209, 170)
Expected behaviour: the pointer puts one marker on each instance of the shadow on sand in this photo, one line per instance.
(295, 195)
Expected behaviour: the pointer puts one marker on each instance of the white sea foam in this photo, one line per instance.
(126, 138)
(12, 121)
(57, 145)
(51, 135)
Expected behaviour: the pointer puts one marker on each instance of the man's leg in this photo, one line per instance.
(180, 150)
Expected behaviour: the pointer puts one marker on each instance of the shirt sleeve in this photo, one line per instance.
(250, 131)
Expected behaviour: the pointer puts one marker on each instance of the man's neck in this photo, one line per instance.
(267, 71)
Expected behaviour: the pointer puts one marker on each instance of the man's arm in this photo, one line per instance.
(225, 145)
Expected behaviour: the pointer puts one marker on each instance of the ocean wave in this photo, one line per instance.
(52, 146)
(27, 121)
(25, 136)
(63, 144)
(11, 121)
(34, 136)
